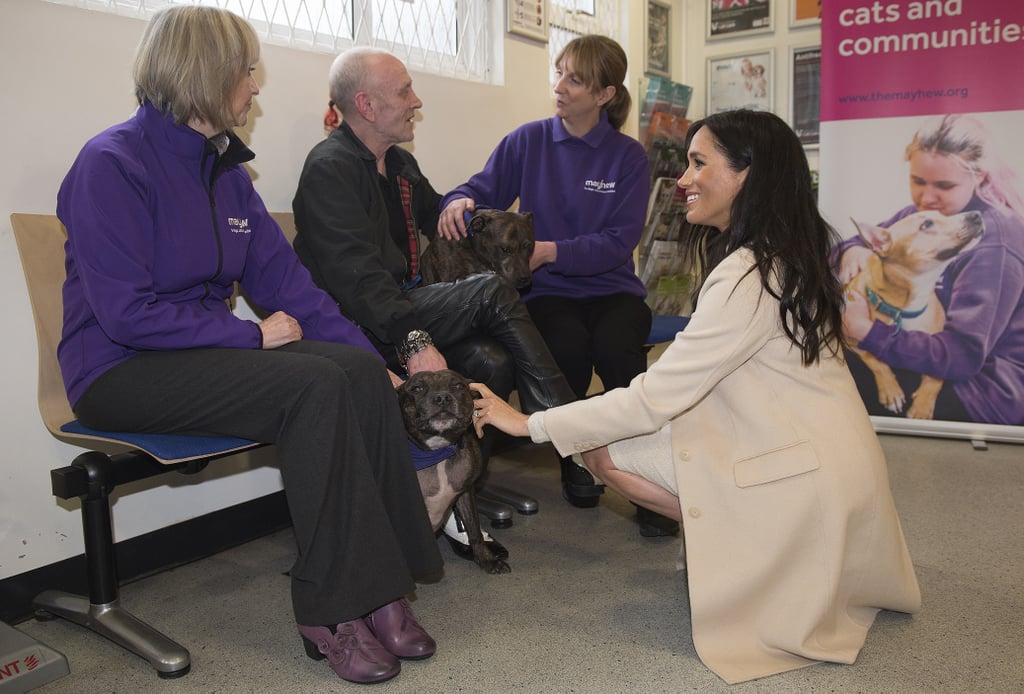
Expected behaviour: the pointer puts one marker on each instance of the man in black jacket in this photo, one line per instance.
(361, 207)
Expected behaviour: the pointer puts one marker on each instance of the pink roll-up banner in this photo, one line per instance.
(922, 174)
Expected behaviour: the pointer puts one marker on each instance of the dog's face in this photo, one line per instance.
(925, 240)
(504, 241)
(437, 407)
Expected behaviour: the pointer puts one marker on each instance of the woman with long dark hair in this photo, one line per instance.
(749, 428)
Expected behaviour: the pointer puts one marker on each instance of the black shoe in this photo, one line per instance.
(578, 485)
(455, 533)
(654, 524)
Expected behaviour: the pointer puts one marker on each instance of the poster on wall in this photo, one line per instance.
(805, 93)
(730, 18)
(921, 172)
(744, 80)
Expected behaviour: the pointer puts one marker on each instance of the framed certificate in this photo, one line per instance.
(528, 18)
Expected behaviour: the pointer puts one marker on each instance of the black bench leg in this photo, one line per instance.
(102, 611)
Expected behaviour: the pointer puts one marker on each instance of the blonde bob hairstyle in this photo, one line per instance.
(190, 61)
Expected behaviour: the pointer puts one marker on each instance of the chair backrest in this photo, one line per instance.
(40, 241)
(286, 220)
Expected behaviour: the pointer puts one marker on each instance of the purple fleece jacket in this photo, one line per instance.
(588, 195)
(159, 230)
(981, 345)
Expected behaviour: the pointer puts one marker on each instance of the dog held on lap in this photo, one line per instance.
(899, 283)
(497, 241)
(437, 407)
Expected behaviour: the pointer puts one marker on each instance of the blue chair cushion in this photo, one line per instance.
(665, 327)
(165, 446)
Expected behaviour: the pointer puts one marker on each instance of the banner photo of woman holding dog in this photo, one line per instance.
(921, 163)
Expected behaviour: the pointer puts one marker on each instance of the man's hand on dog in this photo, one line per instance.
(452, 223)
(856, 316)
(427, 359)
(490, 409)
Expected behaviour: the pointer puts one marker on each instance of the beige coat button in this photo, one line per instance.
(694, 512)
(684, 455)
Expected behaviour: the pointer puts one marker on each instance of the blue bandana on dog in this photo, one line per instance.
(424, 459)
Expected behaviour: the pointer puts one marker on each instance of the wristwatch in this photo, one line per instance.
(415, 341)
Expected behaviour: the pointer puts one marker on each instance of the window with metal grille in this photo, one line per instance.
(452, 38)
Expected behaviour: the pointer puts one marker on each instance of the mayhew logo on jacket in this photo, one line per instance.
(239, 226)
(601, 186)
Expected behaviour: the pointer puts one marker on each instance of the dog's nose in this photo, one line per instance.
(442, 398)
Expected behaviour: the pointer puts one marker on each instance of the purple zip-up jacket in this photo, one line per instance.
(159, 230)
(587, 194)
(981, 345)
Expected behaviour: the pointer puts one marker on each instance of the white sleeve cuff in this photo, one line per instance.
(538, 431)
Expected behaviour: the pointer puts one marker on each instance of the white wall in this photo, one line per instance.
(66, 76)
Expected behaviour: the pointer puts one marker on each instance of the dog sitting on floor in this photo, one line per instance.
(497, 241)
(437, 407)
(899, 283)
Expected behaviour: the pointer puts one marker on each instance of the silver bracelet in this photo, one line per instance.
(416, 341)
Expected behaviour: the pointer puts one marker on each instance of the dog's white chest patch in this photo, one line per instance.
(435, 442)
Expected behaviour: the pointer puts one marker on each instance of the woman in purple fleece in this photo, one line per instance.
(162, 221)
(587, 185)
(980, 350)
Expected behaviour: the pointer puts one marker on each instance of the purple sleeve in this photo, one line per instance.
(277, 281)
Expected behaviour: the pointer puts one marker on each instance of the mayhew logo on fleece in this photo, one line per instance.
(239, 226)
(601, 186)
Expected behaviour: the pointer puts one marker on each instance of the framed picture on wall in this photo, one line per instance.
(659, 38)
(804, 13)
(528, 18)
(743, 80)
(729, 18)
(805, 93)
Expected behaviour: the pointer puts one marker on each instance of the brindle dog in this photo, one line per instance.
(438, 410)
(497, 241)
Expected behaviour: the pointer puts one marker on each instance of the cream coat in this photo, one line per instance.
(791, 534)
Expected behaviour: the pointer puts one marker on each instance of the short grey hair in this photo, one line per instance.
(349, 74)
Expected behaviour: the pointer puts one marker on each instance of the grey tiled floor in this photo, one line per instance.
(590, 606)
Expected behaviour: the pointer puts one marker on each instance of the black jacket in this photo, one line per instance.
(343, 236)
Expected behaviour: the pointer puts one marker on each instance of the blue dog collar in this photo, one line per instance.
(887, 309)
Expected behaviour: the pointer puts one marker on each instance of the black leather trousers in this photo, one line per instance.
(484, 331)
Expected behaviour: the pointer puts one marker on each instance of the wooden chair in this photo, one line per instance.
(112, 458)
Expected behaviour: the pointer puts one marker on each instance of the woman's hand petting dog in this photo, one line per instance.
(490, 409)
(856, 317)
(452, 223)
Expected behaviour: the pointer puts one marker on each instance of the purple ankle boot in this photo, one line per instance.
(352, 651)
(397, 629)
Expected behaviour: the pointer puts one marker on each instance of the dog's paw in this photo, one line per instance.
(494, 566)
(891, 396)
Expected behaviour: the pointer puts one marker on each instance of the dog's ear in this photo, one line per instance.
(528, 216)
(878, 239)
(478, 223)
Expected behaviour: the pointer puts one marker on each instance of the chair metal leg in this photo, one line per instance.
(102, 611)
(169, 658)
(499, 513)
(520, 502)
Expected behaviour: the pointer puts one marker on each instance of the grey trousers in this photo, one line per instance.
(359, 520)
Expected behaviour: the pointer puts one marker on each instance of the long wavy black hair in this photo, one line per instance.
(776, 216)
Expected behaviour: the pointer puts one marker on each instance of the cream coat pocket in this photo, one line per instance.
(777, 464)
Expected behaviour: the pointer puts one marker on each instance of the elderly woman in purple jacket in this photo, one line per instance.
(980, 350)
(162, 221)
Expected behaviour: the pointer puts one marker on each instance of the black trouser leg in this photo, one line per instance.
(360, 524)
(487, 305)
